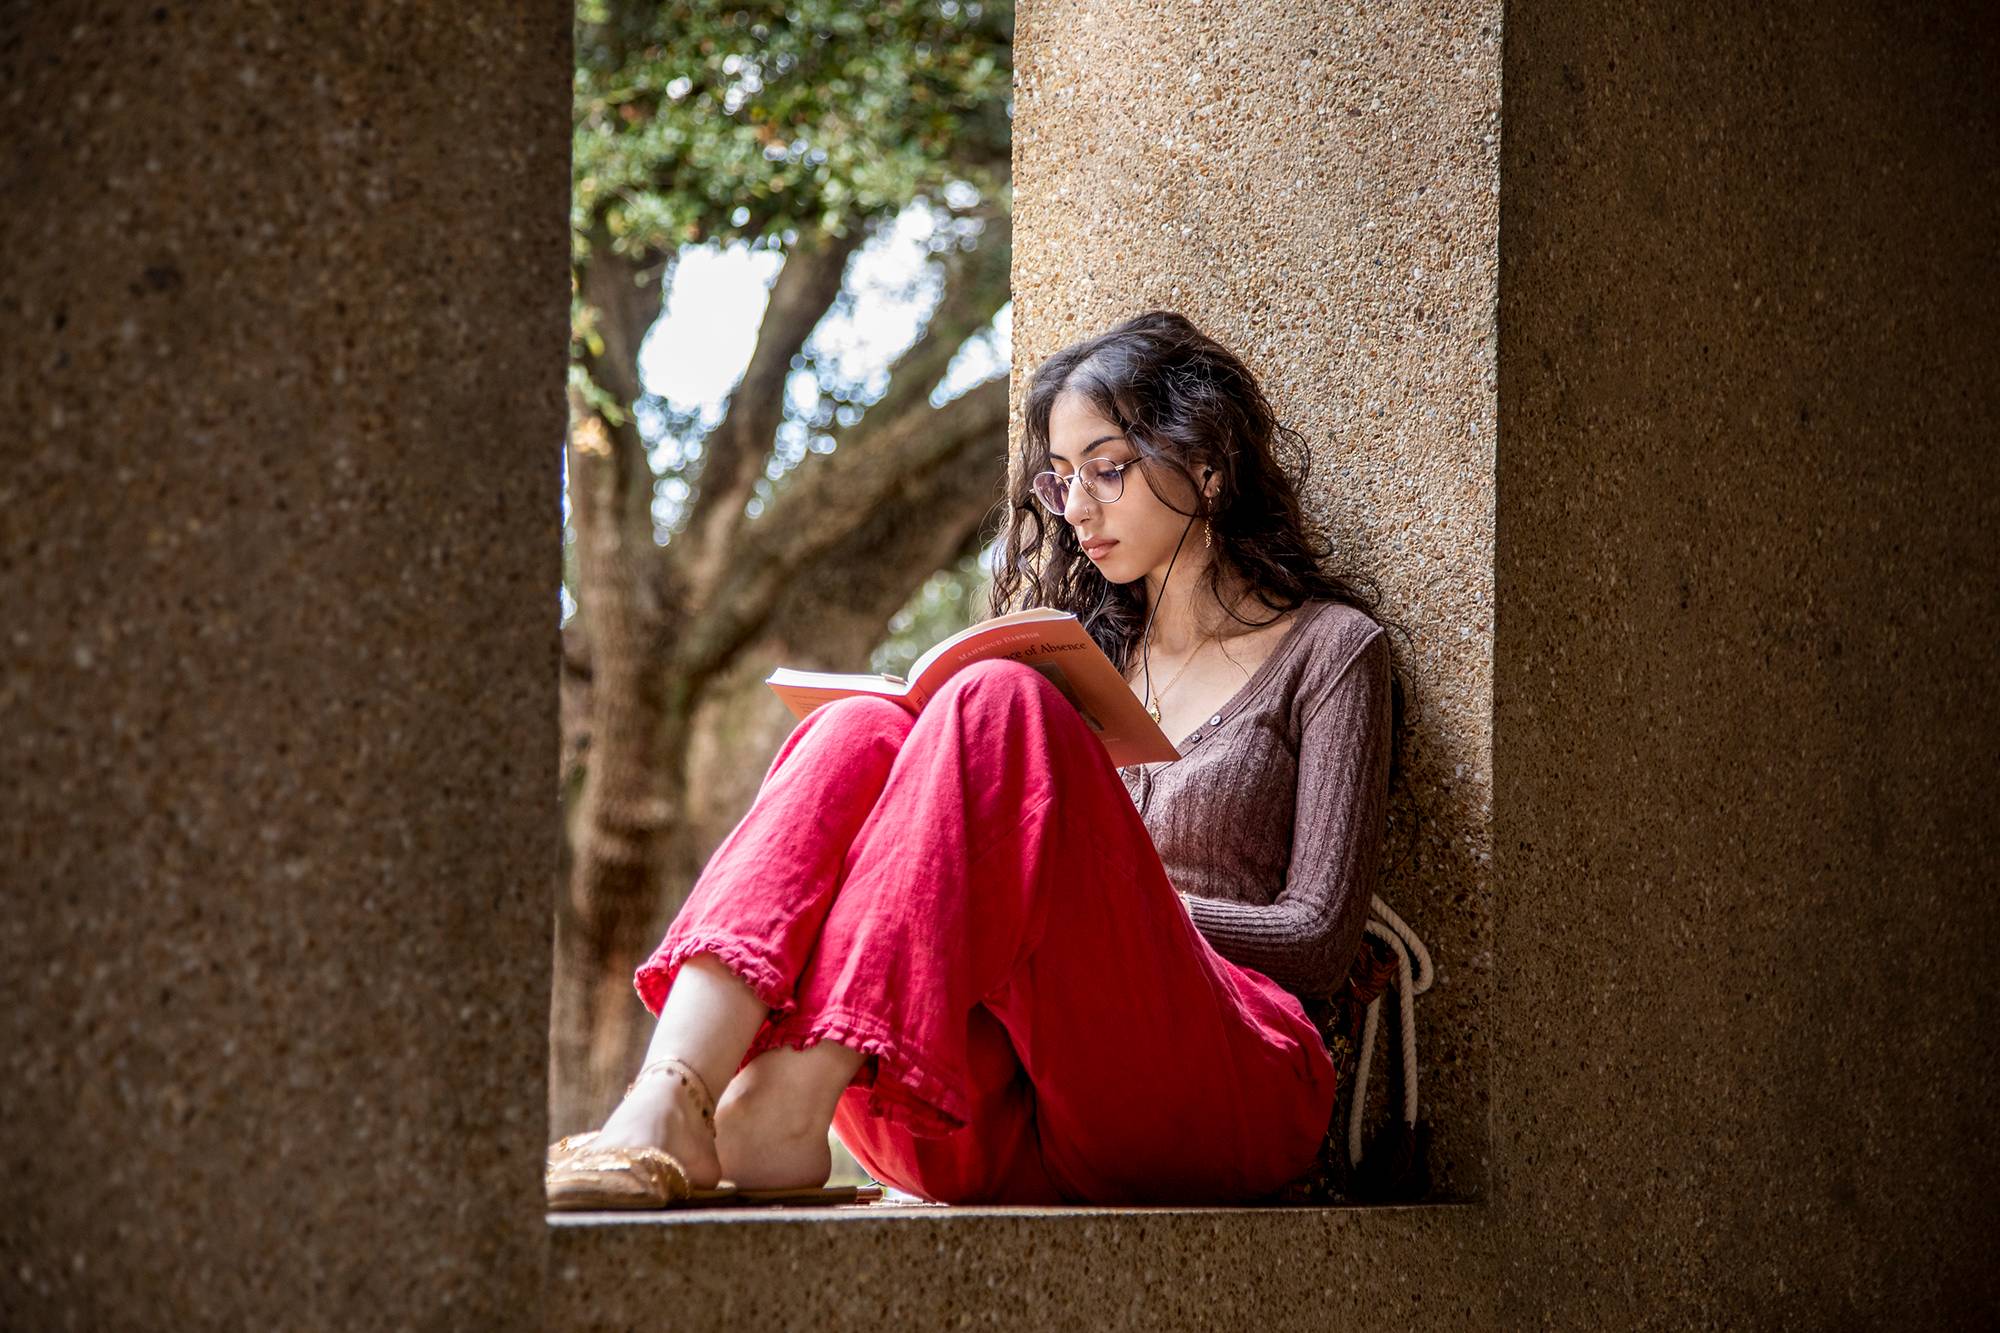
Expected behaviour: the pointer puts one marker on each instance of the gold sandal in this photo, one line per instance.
(582, 1177)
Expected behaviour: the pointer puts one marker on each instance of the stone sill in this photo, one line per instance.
(779, 1216)
(1052, 1268)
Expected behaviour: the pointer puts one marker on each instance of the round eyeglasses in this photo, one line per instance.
(1103, 480)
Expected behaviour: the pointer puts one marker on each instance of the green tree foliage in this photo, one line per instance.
(752, 123)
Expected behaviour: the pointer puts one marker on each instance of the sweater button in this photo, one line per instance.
(1217, 718)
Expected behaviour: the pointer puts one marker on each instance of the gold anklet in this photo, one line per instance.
(690, 1078)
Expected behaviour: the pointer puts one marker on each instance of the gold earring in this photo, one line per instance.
(1207, 535)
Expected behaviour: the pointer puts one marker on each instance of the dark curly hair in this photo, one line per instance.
(1184, 401)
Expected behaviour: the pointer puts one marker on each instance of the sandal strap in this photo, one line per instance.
(689, 1076)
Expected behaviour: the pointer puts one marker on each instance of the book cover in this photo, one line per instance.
(1053, 642)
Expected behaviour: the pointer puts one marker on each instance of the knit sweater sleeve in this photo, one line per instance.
(1306, 938)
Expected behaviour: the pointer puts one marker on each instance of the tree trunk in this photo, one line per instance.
(626, 811)
(665, 658)
(707, 773)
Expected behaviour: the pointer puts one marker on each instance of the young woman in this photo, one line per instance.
(1004, 970)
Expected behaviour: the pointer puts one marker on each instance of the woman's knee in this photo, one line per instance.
(995, 678)
(850, 729)
(867, 714)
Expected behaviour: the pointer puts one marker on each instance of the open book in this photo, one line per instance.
(1052, 642)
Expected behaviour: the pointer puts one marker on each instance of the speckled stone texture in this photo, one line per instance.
(1063, 1270)
(285, 314)
(1745, 690)
(1317, 188)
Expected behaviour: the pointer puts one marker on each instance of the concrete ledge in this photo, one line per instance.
(924, 1266)
(872, 1211)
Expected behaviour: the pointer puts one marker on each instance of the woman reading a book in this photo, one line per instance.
(1003, 969)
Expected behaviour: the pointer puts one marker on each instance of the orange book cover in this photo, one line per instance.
(1052, 642)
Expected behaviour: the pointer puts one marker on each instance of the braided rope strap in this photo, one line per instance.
(1409, 984)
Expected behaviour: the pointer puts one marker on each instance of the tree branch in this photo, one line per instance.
(627, 297)
(872, 571)
(894, 450)
(976, 286)
(610, 470)
(899, 464)
(734, 453)
(611, 501)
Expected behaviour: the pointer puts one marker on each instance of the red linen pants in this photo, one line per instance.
(970, 898)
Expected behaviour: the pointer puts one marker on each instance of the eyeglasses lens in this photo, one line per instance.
(1101, 480)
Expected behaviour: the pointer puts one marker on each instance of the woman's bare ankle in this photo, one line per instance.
(759, 1152)
(772, 1121)
(660, 1113)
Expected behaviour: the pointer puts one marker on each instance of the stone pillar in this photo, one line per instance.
(285, 317)
(1745, 682)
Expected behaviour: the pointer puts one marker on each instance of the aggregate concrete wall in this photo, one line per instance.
(1745, 703)
(285, 315)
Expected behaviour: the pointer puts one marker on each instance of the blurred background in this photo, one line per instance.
(788, 427)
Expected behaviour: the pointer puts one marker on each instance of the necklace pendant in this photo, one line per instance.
(1153, 710)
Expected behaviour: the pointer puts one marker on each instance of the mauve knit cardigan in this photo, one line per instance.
(1271, 821)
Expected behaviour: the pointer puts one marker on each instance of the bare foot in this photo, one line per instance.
(660, 1113)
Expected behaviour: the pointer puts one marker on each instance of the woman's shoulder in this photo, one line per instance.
(1339, 639)
(1314, 643)
(1338, 630)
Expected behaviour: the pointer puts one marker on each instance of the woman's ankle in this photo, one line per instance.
(658, 1112)
(760, 1155)
(790, 1091)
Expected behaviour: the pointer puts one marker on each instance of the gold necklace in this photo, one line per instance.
(1154, 707)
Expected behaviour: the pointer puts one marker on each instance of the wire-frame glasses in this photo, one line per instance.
(1103, 480)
